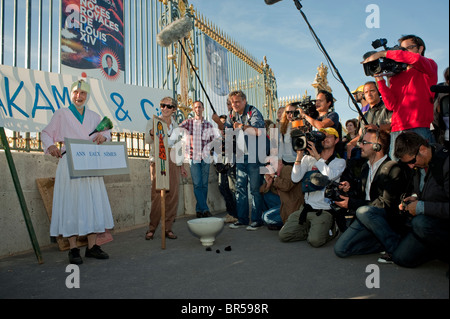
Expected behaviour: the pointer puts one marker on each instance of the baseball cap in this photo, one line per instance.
(330, 131)
(359, 89)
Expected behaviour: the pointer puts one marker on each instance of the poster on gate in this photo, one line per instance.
(217, 74)
(92, 39)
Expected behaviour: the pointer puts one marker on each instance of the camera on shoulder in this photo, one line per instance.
(383, 66)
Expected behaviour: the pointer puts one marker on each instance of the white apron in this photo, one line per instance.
(80, 205)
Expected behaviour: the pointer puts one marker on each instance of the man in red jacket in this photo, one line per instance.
(408, 93)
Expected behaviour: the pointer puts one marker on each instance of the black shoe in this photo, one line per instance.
(199, 215)
(75, 257)
(96, 252)
(207, 214)
(237, 225)
(254, 226)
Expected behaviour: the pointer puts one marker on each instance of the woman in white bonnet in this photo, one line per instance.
(80, 205)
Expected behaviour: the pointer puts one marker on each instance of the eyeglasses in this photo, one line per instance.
(169, 106)
(364, 142)
(413, 161)
(410, 47)
(290, 112)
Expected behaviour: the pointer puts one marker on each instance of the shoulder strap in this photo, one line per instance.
(332, 157)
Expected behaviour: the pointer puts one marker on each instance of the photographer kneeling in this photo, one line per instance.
(378, 223)
(313, 221)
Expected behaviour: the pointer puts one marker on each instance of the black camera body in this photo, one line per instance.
(308, 106)
(383, 66)
(300, 140)
(332, 192)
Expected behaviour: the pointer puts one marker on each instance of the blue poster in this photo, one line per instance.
(217, 66)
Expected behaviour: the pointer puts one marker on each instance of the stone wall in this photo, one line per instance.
(129, 197)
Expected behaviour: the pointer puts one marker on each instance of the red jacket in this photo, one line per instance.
(409, 95)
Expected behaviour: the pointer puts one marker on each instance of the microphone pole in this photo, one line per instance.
(198, 78)
(299, 7)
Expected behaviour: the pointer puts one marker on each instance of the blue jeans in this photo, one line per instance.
(271, 200)
(272, 217)
(422, 131)
(248, 173)
(429, 239)
(200, 175)
(369, 233)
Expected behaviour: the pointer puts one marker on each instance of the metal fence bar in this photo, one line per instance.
(30, 33)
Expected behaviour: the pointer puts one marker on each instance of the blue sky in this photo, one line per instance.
(279, 32)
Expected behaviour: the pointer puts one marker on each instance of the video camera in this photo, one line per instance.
(308, 106)
(300, 140)
(383, 66)
(302, 131)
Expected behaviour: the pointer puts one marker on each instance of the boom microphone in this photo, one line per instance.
(271, 1)
(174, 31)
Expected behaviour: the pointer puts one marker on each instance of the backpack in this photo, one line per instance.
(314, 180)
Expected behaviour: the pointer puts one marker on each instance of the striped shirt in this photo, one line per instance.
(199, 133)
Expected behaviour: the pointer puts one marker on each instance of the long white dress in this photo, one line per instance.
(80, 205)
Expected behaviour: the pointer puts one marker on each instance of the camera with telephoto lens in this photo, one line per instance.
(301, 138)
(383, 66)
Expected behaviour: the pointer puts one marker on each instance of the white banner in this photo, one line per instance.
(28, 99)
(86, 158)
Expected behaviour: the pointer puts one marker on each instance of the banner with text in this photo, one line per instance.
(28, 99)
(92, 39)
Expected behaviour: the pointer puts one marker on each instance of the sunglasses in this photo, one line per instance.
(169, 106)
(290, 112)
(364, 142)
(413, 161)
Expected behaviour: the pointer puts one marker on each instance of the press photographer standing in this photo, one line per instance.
(408, 93)
(324, 102)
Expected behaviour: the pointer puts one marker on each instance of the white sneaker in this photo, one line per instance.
(385, 259)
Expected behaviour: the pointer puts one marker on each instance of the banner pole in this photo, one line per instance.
(19, 192)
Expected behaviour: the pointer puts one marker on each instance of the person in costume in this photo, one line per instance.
(175, 169)
(80, 205)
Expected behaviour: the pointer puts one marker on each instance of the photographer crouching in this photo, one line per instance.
(378, 225)
(314, 221)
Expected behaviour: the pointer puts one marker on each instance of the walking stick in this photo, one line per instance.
(163, 219)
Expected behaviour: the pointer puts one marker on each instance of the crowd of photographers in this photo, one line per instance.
(381, 188)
